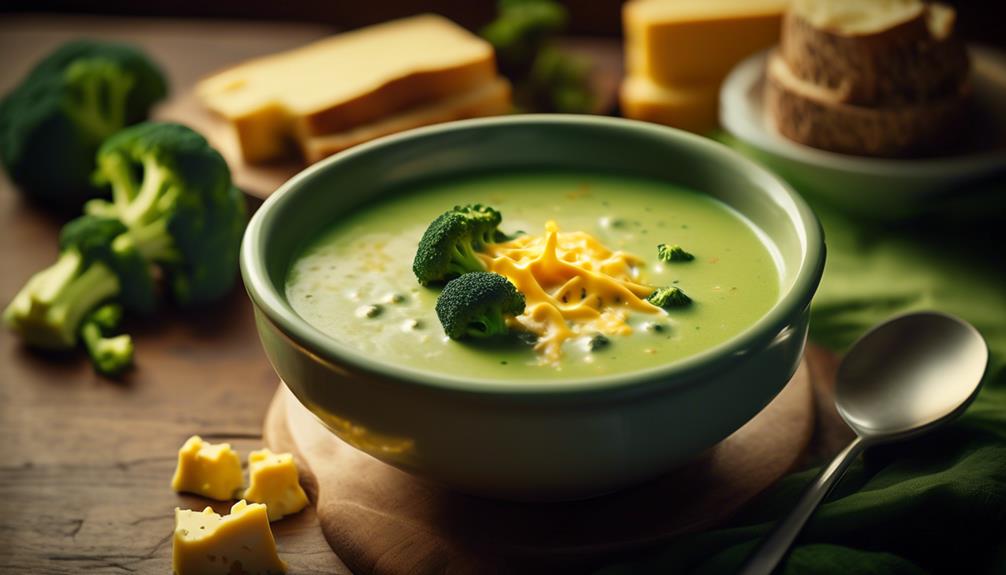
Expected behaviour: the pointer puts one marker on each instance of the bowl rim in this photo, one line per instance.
(741, 116)
(338, 356)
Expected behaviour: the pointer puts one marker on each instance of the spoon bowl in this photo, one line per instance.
(904, 377)
(908, 374)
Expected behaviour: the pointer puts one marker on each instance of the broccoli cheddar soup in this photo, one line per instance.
(534, 275)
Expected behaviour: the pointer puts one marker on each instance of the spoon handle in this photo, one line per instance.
(774, 547)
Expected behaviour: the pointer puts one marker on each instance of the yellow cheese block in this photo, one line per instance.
(489, 99)
(676, 42)
(274, 482)
(345, 81)
(209, 544)
(693, 108)
(210, 470)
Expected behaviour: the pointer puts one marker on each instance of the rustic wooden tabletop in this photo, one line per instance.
(85, 462)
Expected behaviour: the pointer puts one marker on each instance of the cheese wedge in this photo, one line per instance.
(490, 99)
(205, 543)
(346, 81)
(677, 42)
(694, 108)
(209, 469)
(275, 483)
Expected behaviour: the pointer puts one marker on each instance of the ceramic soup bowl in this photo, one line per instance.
(555, 439)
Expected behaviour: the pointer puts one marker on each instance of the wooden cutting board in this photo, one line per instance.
(381, 520)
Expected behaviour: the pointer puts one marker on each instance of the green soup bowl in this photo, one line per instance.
(553, 440)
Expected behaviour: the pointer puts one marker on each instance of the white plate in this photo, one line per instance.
(881, 187)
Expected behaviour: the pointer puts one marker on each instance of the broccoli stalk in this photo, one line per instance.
(448, 248)
(110, 355)
(47, 311)
(477, 305)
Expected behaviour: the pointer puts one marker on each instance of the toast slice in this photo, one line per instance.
(876, 52)
(346, 81)
(490, 99)
(819, 117)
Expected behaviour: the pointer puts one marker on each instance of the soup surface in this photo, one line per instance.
(355, 282)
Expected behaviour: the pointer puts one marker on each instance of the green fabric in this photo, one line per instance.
(933, 505)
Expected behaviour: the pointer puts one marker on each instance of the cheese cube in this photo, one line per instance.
(346, 81)
(274, 482)
(210, 470)
(209, 544)
(694, 108)
(675, 42)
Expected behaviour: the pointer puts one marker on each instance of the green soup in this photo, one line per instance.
(355, 282)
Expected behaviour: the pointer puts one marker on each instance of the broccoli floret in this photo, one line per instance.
(173, 191)
(519, 31)
(110, 355)
(174, 208)
(598, 342)
(477, 305)
(448, 247)
(545, 78)
(53, 122)
(673, 253)
(668, 297)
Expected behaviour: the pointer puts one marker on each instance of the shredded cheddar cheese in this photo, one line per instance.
(573, 286)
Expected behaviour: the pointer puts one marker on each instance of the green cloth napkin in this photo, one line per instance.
(936, 504)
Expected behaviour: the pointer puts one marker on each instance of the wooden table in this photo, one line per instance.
(86, 463)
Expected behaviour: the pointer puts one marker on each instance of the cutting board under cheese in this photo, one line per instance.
(262, 180)
(381, 520)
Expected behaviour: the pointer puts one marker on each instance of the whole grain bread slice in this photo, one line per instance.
(818, 117)
(889, 53)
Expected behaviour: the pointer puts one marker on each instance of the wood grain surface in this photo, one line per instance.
(380, 520)
(85, 462)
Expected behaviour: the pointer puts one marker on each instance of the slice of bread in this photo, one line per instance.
(818, 116)
(489, 99)
(347, 80)
(876, 52)
(693, 108)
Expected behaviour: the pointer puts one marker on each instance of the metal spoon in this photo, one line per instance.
(904, 377)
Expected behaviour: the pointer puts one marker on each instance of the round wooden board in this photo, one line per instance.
(381, 520)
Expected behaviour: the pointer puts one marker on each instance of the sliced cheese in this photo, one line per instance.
(490, 99)
(678, 42)
(572, 284)
(692, 108)
(205, 543)
(346, 81)
(274, 482)
(207, 469)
